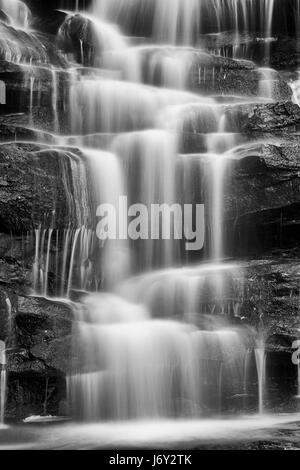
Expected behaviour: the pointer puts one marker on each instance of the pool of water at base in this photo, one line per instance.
(255, 432)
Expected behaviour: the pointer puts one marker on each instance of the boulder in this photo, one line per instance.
(77, 36)
(265, 176)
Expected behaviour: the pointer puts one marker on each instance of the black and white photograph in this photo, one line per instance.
(149, 228)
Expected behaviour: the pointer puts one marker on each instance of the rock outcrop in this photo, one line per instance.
(42, 176)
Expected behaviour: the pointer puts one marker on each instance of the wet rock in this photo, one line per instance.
(285, 53)
(32, 48)
(4, 17)
(261, 193)
(38, 338)
(272, 290)
(43, 329)
(14, 274)
(49, 21)
(30, 90)
(261, 200)
(77, 35)
(38, 356)
(265, 118)
(281, 52)
(16, 257)
(249, 119)
(33, 191)
(34, 393)
(219, 75)
(265, 176)
(13, 132)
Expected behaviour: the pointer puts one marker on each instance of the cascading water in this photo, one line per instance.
(260, 357)
(152, 339)
(106, 168)
(145, 368)
(117, 376)
(3, 379)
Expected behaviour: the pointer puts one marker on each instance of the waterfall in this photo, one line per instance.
(146, 368)
(141, 116)
(21, 46)
(190, 294)
(217, 143)
(156, 345)
(149, 158)
(112, 106)
(175, 18)
(106, 168)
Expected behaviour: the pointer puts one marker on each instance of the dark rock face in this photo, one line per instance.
(262, 196)
(37, 333)
(16, 255)
(266, 118)
(286, 54)
(43, 329)
(214, 74)
(35, 394)
(39, 348)
(35, 187)
(266, 179)
(30, 96)
(249, 119)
